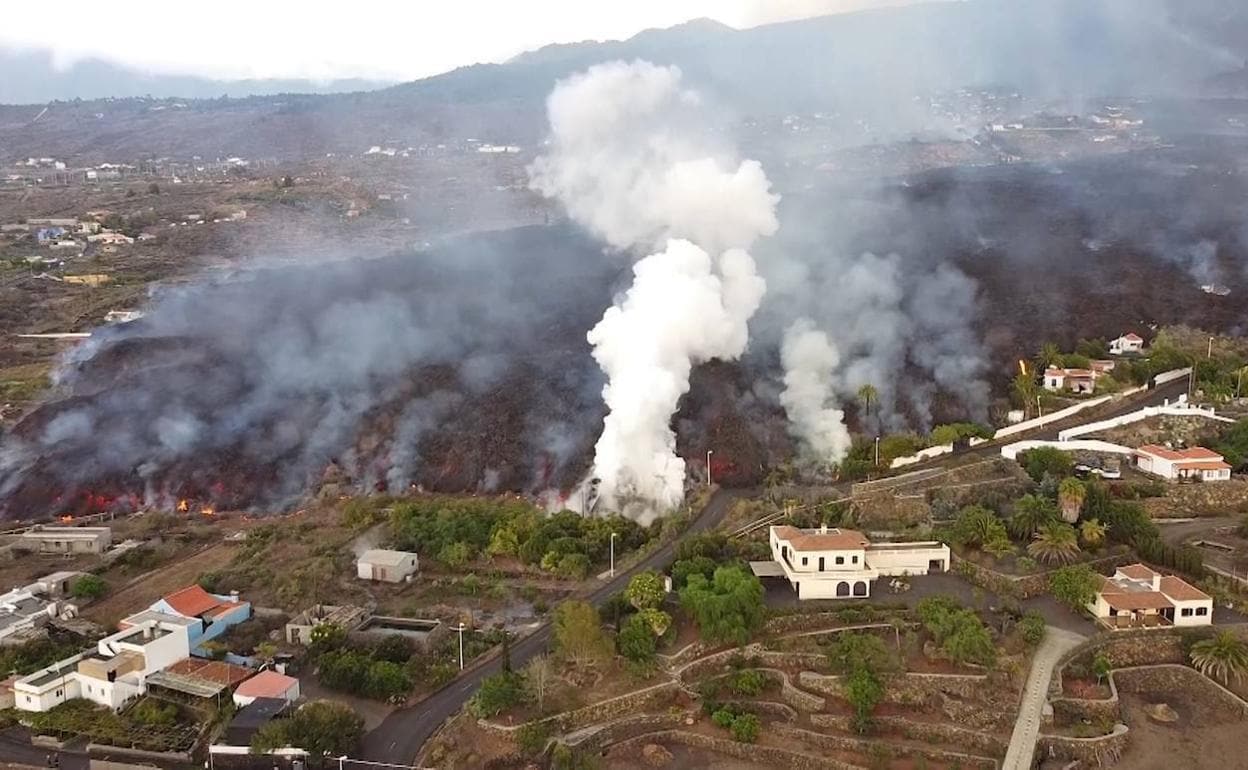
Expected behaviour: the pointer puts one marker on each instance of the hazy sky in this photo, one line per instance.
(362, 38)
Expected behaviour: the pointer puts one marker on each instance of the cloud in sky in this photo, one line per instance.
(367, 38)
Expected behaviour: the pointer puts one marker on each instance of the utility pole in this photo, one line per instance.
(612, 554)
(877, 451)
(709, 452)
(1210, 353)
(460, 628)
(1039, 409)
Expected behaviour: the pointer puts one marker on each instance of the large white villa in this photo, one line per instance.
(832, 563)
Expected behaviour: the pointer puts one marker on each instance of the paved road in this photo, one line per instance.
(400, 737)
(1056, 643)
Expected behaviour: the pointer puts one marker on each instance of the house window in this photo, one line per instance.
(1187, 612)
(28, 700)
(59, 693)
(840, 560)
(804, 560)
(1202, 610)
(855, 560)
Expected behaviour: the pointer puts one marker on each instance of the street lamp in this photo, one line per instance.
(460, 628)
(612, 554)
(877, 451)
(709, 452)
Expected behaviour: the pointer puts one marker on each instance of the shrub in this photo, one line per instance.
(724, 718)
(1032, 628)
(497, 693)
(532, 737)
(89, 587)
(745, 728)
(749, 682)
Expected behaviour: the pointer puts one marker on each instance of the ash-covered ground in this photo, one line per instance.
(466, 367)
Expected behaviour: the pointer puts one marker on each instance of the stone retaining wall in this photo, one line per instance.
(930, 732)
(865, 746)
(687, 654)
(1025, 586)
(806, 660)
(1103, 751)
(627, 727)
(1171, 678)
(654, 697)
(749, 752)
(1124, 649)
(908, 688)
(834, 621)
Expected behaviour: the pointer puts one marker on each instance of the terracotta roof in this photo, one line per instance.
(1137, 572)
(833, 540)
(1206, 465)
(1180, 590)
(1137, 600)
(1191, 454)
(192, 601)
(1132, 336)
(215, 671)
(267, 684)
(1077, 374)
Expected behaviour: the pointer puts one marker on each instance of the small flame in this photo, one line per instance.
(1022, 366)
(183, 506)
(207, 510)
(66, 519)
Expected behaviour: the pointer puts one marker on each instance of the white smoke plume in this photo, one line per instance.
(809, 361)
(629, 161)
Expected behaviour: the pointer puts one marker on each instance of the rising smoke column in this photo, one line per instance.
(809, 361)
(629, 160)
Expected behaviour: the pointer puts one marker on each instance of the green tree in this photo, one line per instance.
(89, 587)
(322, 728)
(745, 728)
(658, 620)
(455, 554)
(863, 690)
(578, 634)
(976, 526)
(539, 675)
(1031, 514)
(636, 641)
(1075, 586)
(1050, 355)
(851, 651)
(1055, 543)
(1046, 461)
(728, 607)
(497, 694)
(1101, 666)
(1025, 390)
(645, 590)
(1070, 494)
(1223, 657)
(1233, 445)
(868, 396)
(1092, 533)
(683, 568)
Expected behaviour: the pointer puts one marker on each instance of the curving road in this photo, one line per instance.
(400, 737)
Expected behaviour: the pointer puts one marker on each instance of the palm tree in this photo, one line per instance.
(1092, 533)
(1026, 389)
(1050, 355)
(1224, 657)
(1070, 494)
(868, 395)
(1031, 513)
(1056, 543)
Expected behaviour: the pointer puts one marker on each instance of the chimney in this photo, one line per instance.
(234, 597)
(823, 529)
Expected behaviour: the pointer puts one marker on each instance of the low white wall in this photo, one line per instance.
(921, 455)
(1060, 414)
(1180, 409)
(1172, 375)
(914, 560)
(1011, 451)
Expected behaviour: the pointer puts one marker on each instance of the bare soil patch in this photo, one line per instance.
(1201, 739)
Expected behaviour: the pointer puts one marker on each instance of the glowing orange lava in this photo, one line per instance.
(183, 506)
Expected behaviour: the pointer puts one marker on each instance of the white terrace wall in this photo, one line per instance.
(1060, 414)
(1011, 451)
(1179, 409)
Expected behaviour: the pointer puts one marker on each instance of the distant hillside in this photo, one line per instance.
(31, 78)
(875, 65)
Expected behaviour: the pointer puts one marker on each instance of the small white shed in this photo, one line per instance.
(388, 566)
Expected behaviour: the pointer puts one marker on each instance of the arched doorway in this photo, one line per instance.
(860, 588)
(842, 589)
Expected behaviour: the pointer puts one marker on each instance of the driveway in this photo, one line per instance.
(1027, 727)
(400, 737)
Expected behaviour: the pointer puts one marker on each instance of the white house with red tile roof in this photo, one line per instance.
(1075, 380)
(1176, 464)
(1126, 344)
(215, 612)
(267, 684)
(830, 563)
(1137, 595)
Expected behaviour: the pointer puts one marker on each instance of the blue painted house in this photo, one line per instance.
(216, 613)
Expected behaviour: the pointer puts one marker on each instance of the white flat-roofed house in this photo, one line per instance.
(1137, 595)
(1196, 463)
(111, 674)
(65, 539)
(828, 563)
(387, 566)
